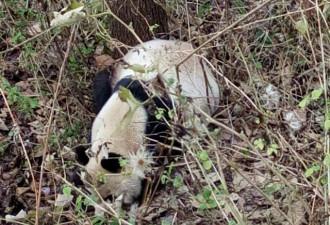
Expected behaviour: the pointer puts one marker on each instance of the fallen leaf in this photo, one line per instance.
(103, 61)
(240, 183)
(297, 212)
(4, 113)
(20, 215)
(302, 26)
(63, 200)
(286, 76)
(67, 16)
(34, 29)
(271, 98)
(21, 190)
(11, 174)
(295, 118)
(3, 126)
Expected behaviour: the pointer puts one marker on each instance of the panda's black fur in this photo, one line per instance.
(102, 89)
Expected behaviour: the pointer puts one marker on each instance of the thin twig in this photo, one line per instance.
(26, 41)
(25, 152)
(223, 31)
(109, 12)
(52, 113)
(246, 140)
(259, 190)
(95, 204)
(326, 110)
(273, 18)
(233, 85)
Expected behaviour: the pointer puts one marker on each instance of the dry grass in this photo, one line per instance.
(264, 159)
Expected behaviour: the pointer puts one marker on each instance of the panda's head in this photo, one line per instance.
(124, 129)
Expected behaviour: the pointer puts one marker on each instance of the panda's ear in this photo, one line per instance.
(102, 89)
(81, 155)
(112, 164)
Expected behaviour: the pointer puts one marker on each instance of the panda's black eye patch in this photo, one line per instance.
(81, 155)
(112, 163)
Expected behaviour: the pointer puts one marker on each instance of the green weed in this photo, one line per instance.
(19, 101)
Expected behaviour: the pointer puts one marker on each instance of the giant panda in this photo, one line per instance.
(122, 129)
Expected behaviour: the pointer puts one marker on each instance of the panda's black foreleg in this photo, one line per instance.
(82, 158)
(101, 88)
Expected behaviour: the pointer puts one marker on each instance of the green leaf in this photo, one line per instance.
(327, 125)
(131, 221)
(311, 170)
(165, 222)
(171, 81)
(79, 203)
(324, 180)
(305, 102)
(207, 164)
(183, 99)
(259, 143)
(203, 9)
(246, 152)
(75, 4)
(326, 160)
(215, 132)
(164, 179)
(171, 114)
(232, 222)
(272, 188)
(124, 94)
(302, 26)
(155, 26)
(122, 162)
(199, 197)
(177, 182)
(203, 206)
(258, 65)
(98, 220)
(159, 113)
(137, 68)
(207, 193)
(122, 214)
(203, 155)
(272, 149)
(89, 202)
(67, 190)
(211, 203)
(317, 93)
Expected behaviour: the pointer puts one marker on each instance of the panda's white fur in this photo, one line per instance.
(107, 133)
(161, 56)
(157, 57)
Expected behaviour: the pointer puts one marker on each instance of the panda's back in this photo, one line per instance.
(161, 57)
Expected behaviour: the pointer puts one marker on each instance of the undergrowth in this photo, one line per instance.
(264, 157)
